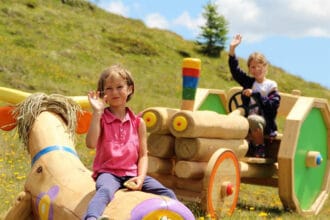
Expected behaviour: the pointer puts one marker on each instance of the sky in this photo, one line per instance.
(293, 34)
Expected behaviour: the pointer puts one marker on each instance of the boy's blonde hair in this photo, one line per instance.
(258, 57)
(117, 70)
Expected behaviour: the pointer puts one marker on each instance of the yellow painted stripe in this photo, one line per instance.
(14, 96)
(193, 63)
(82, 101)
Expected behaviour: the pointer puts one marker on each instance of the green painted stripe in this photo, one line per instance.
(188, 93)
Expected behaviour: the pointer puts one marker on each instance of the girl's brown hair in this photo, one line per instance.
(115, 70)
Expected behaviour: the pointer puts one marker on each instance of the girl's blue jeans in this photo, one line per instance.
(108, 184)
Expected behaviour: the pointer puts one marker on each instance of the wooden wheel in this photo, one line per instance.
(221, 183)
(304, 157)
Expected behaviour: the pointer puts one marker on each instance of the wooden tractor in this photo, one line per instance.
(200, 150)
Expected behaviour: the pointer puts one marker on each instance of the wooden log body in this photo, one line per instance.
(158, 119)
(208, 124)
(161, 145)
(159, 165)
(189, 169)
(201, 149)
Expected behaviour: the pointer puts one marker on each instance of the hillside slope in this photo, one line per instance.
(56, 46)
(61, 46)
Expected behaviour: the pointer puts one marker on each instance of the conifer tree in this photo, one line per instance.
(213, 35)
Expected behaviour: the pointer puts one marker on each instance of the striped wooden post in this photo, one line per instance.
(190, 74)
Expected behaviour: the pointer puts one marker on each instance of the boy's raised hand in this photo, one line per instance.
(234, 43)
(236, 40)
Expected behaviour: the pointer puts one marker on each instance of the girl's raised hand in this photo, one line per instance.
(97, 103)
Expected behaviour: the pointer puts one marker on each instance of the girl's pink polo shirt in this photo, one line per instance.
(117, 151)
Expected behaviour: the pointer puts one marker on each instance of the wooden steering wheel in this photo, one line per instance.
(234, 103)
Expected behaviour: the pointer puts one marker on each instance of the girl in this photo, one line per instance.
(119, 137)
(263, 90)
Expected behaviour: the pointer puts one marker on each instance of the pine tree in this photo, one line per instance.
(213, 35)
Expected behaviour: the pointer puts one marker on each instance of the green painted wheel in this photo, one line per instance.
(304, 157)
(309, 180)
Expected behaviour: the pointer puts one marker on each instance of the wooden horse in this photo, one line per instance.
(59, 186)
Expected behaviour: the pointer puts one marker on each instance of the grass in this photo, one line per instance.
(255, 202)
(57, 46)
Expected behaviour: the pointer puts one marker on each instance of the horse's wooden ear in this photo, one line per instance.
(7, 120)
(83, 121)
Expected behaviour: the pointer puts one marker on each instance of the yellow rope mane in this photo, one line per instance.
(27, 111)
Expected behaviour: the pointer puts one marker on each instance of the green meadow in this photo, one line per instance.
(61, 46)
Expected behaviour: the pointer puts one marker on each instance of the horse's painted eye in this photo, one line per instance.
(39, 170)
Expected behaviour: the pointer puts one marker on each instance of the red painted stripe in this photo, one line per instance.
(190, 72)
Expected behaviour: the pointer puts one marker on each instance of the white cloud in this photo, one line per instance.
(156, 20)
(186, 21)
(257, 19)
(116, 7)
(254, 19)
(316, 8)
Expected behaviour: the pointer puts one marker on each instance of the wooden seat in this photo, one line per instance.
(256, 160)
(272, 148)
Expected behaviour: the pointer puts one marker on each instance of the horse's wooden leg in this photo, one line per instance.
(21, 209)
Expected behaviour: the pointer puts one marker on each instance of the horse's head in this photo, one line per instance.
(46, 120)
